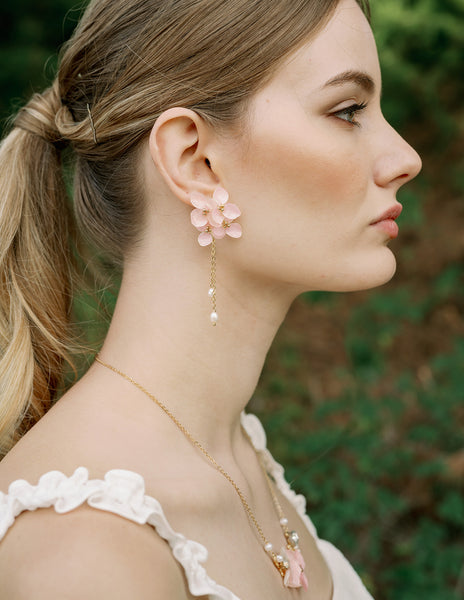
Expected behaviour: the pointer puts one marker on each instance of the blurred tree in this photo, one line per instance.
(421, 43)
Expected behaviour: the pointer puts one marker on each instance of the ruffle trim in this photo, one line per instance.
(122, 492)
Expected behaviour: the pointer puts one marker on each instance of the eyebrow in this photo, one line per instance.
(363, 80)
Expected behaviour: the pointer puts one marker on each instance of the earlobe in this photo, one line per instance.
(178, 146)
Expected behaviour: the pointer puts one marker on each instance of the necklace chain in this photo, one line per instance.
(291, 537)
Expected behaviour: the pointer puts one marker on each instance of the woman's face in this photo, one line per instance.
(318, 166)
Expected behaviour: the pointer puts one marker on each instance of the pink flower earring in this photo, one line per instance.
(214, 219)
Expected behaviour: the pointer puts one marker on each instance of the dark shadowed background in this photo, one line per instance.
(363, 393)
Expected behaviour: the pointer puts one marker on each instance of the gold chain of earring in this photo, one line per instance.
(212, 284)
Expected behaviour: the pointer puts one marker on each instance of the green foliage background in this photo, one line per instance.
(362, 394)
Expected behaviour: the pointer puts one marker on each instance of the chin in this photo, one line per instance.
(378, 275)
(367, 276)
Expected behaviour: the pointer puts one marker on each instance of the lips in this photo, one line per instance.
(389, 215)
(386, 222)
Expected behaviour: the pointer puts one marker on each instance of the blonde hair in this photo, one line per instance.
(128, 61)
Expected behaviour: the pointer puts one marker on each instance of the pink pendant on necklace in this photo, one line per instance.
(294, 576)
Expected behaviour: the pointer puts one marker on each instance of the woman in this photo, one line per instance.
(228, 156)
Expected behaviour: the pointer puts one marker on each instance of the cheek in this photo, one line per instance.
(303, 187)
(313, 173)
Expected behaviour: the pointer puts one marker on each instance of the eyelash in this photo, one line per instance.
(351, 111)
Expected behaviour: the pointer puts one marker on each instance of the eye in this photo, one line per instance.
(349, 113)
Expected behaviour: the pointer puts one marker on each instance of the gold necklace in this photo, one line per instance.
(289, 561)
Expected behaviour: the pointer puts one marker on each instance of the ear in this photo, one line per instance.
(178, 143)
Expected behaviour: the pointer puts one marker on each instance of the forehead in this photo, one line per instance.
(346, 43)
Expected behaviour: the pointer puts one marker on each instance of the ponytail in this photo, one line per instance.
(37, 270)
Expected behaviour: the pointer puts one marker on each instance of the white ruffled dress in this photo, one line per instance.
(123, 492)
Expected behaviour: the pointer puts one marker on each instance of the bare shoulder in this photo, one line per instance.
(86, 553)
(85, 428)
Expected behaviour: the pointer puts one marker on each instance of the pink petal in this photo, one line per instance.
(198, 218)
(294, 577)
(205, 238)
(304, 581)
(234, 230)
(220, 196)
(216, 218)
(211, 204)
(198, 200)
(219, 232)
(232, 211)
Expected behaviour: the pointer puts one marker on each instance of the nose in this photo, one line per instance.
(397, 162)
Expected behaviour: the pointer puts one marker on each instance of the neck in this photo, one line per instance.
(161, 336)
